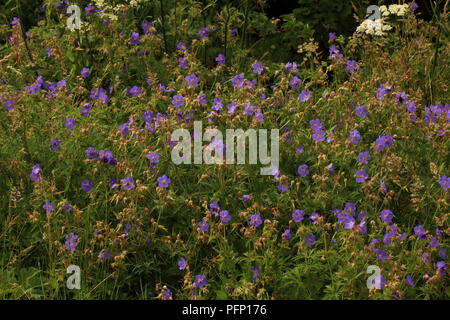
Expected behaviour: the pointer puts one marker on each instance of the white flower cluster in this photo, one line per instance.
(110, 11)
(373, 27)
(378, 27)
(394, 9)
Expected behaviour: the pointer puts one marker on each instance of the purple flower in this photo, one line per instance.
(383, 186)
(104, 254)
(411, 106)
(304, 96)
(99, 94)
(283, 186)
(330, 167)
(232, 107)
(332, 36)
(351, 66)
(386, 216)
(444, 181)
(286, 234)
(314, 217)
(409, 280)
(355, 136)
(401, 97)
(183, 63)
(49, 206)
(192, 80)
(86, 185)
(257, 67)
(299, 149)
(181, 46)
(350, 208)
(9, 105)
(255, 220)
(200, 281)
(225, 217)
(91, 153)
(36, 86)
(182, 264)
(316, 125)
(425, 257)
(62, 4)
(347, 220)
(335, 53)
(68, 207)
(298, 215)
(382, 90)
(255, 271)
(214, 208)
(381, 255)
(71, 241)
(441, 267)
(15, 21)
(310, 240)
(124, 128)
(361, 176)
(248, 109)
(167, 294)
(148, 116)
(203, 32)
(204, 226)
(135, 38)
(220, 59)
(319, 136)
(36, 173)
(163, 181)
(153, 157)
(127, 183)
(238, 80)
(295, 82)
(364, 157)
(54, 144)
(85, 111)
(146, 25)
(113, 183)
(70, 123)
(379, 282)
(303, 170)
(134, 91)
(245, 197)
(233, 32)
(291, 67)
(382, 142)
(434, 243)
(420, 232)
(85, 72)
(90, 9)
(177, 101)
(361, 112)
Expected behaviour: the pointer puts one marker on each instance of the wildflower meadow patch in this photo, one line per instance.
(202, 150)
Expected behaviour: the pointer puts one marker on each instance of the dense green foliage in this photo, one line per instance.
(386, 95)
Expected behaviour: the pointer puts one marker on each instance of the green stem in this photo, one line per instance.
(163, 20)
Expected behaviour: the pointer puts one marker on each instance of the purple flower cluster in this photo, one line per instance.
(71, 241)
(382, 142)
(319, 133)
